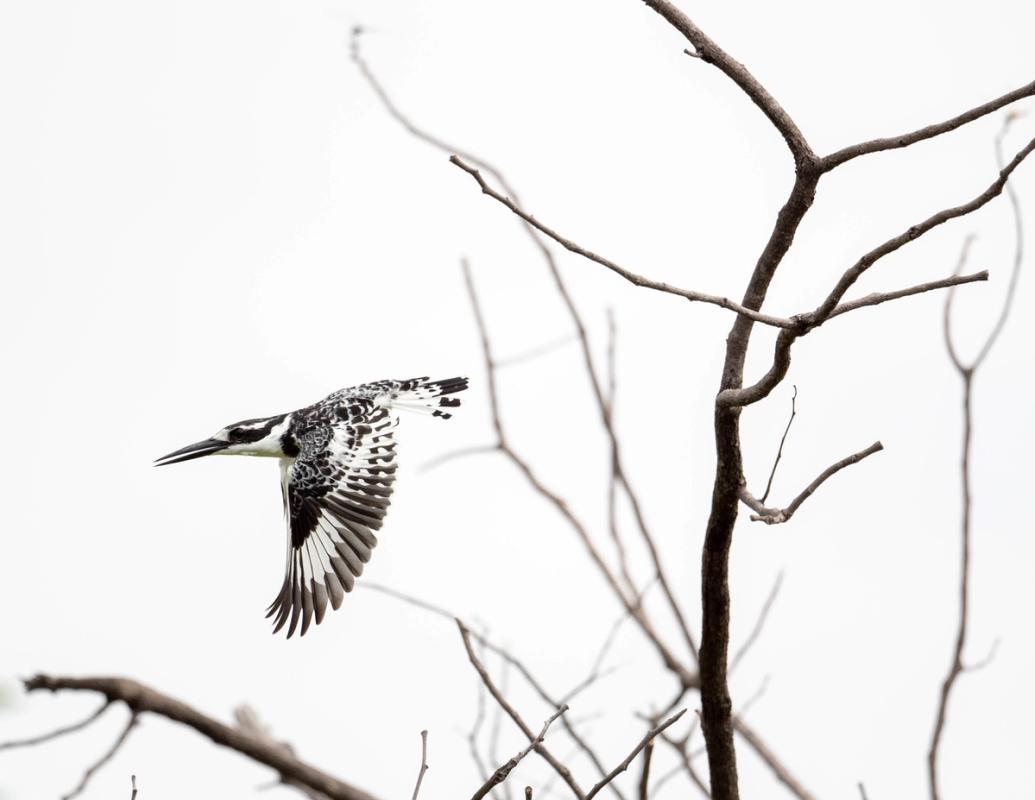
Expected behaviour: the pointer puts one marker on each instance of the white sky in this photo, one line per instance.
(209, 217)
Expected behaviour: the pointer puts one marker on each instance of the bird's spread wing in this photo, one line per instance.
(337, 490)
(336, 493)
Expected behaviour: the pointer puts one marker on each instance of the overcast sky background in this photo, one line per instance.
(209, 217)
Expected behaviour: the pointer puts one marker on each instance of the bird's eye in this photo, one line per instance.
(234, 435)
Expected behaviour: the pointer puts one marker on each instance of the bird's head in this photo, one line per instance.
(250, 437)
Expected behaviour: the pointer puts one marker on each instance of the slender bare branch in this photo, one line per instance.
(539, 747)
(756, 631)
(582, 335)
(143, 699)
(632, 277)
(535, 352)
(967, 373)
(648, 753)
(504, 770)
(779, 450)
(764, 752)
(109, 754)
(624, 765)
(686, 763)
(833, 160)
(615, 479)
(452, 455)
(876, 298)
(46, 737)
(775, 516)
(554, 702)
(133, 786)
(423, 763)
(670, 660)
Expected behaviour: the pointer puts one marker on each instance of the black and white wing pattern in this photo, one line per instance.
(338, 488)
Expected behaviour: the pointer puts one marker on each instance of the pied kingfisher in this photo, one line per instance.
(337, 467)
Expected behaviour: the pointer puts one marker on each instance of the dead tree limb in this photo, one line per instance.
(141, 699)
(967, 372)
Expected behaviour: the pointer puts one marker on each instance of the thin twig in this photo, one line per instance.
(131, 723)
(133, 784)
(775, 516)
(551, 700)
(756, 631)
(539, 747)
(777, 767)
(632, 277)
(423, 762)
(928, 132)
(648, 753)
(779, 450)
(46, 737)
(501, 773)
(624, 765)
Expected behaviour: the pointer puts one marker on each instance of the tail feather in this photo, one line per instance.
(429, 397)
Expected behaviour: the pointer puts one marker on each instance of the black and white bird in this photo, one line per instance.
(337, 469)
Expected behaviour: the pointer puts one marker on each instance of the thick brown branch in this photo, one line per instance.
(775, 516)
(708, 51)
(632, 277)
(737, 397)
(143, 699)
(828, 163)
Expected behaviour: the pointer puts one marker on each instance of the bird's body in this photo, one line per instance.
(337, 464)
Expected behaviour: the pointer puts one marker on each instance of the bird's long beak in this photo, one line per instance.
(196, 450)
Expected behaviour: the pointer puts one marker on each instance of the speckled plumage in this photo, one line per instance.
(338, 464)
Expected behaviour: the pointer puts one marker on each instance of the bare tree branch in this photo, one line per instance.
(143, 699)
(539, 747)
(876, 298)
(764, 752)
(967, 373)
(709, 52)
(423, 763)
(685, 676)
(522, 668)
(632, 277)
(504, 770)
(587, 357)
(779, 450)
(645, 772)
(928, 132)
(109, 754)
(775, 516)
(624, 765)
(756, 631)
(46, 737)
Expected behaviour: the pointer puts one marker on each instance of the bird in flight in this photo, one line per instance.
(337, 468)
